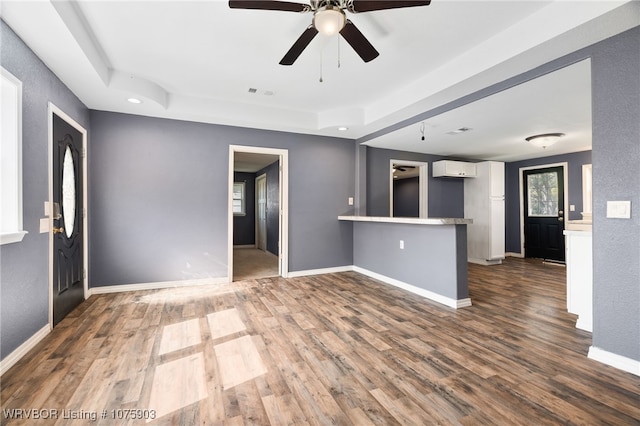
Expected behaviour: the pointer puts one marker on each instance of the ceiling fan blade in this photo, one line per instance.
(369, 6)
(269, 5)
(359, 42)
(300, 44)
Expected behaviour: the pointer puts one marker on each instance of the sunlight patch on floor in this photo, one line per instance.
(224, 323)
(180, 336)
(177, 384)
(239, 361)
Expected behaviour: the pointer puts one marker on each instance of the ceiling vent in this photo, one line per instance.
(458, 131)
(252, 90)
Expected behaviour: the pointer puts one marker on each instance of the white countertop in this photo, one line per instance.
(410, 220)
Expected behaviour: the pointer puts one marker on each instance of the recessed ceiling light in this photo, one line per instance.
(343, 129)
(134, 100)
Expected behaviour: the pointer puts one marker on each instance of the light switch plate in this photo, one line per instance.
(47, 208)
(619, 209)
(350, 201)
(44, 225)
(572, 208)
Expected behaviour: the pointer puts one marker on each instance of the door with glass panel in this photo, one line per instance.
(544, 213)
(68, 288)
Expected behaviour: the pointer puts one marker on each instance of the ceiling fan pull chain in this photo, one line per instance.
(338, 52)
(321, 80)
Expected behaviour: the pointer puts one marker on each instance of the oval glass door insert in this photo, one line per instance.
(68, 192)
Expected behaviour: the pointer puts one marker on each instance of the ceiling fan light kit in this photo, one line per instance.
(544, 140)
(329, 18)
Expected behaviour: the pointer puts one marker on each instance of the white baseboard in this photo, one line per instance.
(157, 285)
(296, 274)
(618, 361)
(514, 254)
(15, 356)
(447, 301)
(485, 262)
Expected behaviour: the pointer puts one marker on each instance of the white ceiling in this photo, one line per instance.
(196, 60)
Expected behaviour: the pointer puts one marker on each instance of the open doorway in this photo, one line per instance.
(257, 213)
(408, 188)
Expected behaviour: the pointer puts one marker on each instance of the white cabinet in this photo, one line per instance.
(448, 168)
(579, 256)
(484, 203)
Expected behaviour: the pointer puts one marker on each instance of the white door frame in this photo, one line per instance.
(565, 169)
(52, 108)
(423, 179)
(283, 246)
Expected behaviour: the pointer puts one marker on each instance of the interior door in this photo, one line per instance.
(544, 213)
(261, 195)
(68, 232)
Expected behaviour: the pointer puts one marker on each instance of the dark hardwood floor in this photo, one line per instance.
(331, 349)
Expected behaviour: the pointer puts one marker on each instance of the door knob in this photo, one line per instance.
(560, 212)
(560, 219)
(58, 230)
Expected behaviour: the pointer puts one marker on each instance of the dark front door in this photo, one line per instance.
(544, 213)
(68, 262)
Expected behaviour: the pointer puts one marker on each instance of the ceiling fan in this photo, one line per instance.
(329, 18)
(402, 168)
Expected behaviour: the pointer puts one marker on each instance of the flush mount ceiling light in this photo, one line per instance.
(544, 140)
(329, 20)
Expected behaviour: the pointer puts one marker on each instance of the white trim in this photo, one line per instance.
(513, 254)
(283, 258)
(618, 361)
(423, 185)
(15, 235)
(485, 262)
(52, 108)
(587, 189)
(12, 237)
(447, 301)
(297, 274)
(158, 285)
(565, 173)
(15, 356)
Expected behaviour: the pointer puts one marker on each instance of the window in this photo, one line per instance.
(11, 230)
(239, 199)
(543, 194)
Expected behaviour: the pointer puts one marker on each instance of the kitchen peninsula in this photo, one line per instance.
(426, 256)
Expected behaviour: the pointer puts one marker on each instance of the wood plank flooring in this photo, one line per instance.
(331, 349)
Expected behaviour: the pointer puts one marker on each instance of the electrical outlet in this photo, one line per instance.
(401, 244)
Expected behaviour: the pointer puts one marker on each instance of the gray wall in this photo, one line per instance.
(446, 195)
(24, 273)
(406, 197)
(158, 193)
(434, 257)
(244, 227)
(574, 162)
(616, 157)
